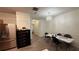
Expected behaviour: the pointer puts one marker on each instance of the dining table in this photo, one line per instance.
(61, 38)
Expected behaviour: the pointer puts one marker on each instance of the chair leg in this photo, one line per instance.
(67, 47)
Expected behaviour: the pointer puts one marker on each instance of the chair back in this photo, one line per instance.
(59, 34)
(68, 36)
(46, 33)
(55, 40)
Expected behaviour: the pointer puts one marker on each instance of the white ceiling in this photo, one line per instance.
(42, 12)
(53, 11)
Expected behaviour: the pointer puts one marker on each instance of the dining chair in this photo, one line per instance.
(46, 34)
(56, 42)
(68, 46)
(67, 35)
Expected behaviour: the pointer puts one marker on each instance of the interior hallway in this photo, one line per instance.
(39, 44)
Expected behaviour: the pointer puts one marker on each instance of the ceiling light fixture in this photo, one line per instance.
(48, 18)
(35, 12)
(35, 9)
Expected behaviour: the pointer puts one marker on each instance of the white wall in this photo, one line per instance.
(50, 26)
(68, 23)
(39, 27)
(36, 26)
(23, 20)
(46, 26)
(42, 27)
(64, 23)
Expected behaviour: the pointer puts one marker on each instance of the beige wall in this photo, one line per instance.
(12, 31)
(8, 17)
(23, 20)
(68, 23)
